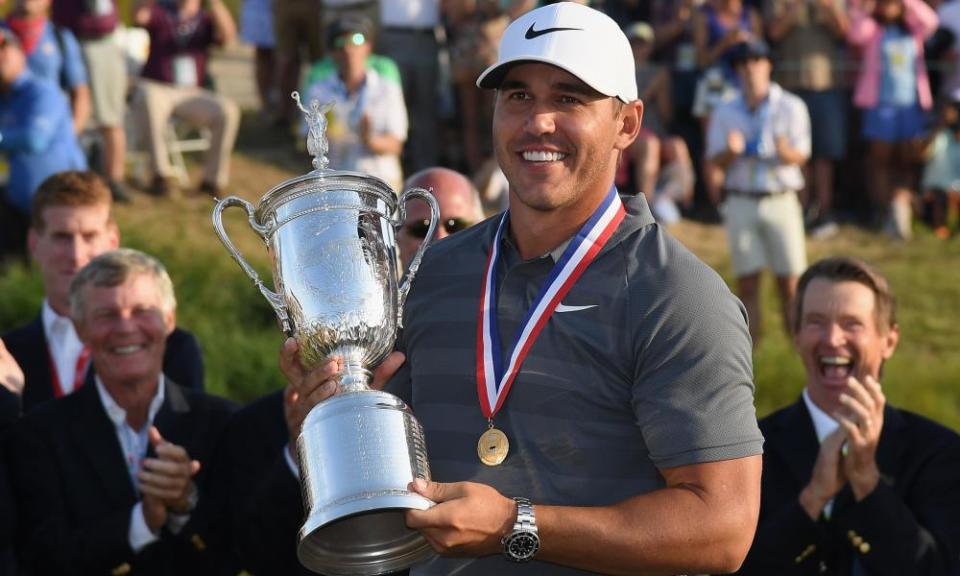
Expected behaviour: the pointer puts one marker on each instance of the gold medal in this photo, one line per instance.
(493, 447)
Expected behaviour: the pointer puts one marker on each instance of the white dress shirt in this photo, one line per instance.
(64, 346)
(134, 444)
(824, 426)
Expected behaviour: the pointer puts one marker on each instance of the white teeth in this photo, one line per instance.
(128, 349)
(835, 360)
(543, 156)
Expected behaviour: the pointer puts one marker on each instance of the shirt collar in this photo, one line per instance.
(822, 422)
(118, 415)
(512, 255)
(773, 96)
(53, 323)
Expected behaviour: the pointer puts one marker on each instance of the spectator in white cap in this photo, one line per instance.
(584, 382)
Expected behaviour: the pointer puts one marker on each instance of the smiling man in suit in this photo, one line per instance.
(851, 485)
(106, 479)
(71, 224)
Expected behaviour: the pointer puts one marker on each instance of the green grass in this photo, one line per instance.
(240, 337)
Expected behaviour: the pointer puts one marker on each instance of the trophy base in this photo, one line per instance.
(358, 453)
(366, 543)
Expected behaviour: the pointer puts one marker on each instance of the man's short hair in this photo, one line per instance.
(113, 269)
(846, 269)
(68, 188)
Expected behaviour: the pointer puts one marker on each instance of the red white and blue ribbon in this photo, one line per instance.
(493, 378)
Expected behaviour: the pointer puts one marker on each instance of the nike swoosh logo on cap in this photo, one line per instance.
(531, 33)
(564, 308)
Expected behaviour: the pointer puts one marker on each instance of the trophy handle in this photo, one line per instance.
(405, 284)
(272, 297)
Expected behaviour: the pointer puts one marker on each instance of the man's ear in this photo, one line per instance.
(32, 239)
(890, 340)
(170, 321)
(631, 115)
(114, 232)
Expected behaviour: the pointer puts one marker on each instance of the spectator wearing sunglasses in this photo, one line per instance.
(459, 202)
(367, 125)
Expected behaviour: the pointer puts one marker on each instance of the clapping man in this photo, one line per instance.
(106, 479)
(851, 484)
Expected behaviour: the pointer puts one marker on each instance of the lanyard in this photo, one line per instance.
(493, 379)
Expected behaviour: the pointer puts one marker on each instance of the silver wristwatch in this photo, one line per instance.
(523, 542)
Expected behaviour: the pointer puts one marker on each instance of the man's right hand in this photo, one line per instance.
(309, 387)
(827, 478)
(154, 512)
(11, 375)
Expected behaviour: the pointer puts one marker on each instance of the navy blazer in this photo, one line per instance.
(260, 497)
(75, 496)
(908, 526)
(182, 363)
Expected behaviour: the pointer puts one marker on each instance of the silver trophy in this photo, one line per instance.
(330, 236)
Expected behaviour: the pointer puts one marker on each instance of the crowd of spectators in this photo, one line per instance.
(874, 76)
(877, 76)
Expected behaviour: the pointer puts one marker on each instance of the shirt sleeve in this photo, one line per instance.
(716, 134)
(291, 463)
(693, 380)
(75, 72)
(140, 535)
(396, 112)
(799, 126)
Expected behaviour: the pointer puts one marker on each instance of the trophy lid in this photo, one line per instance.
(322, 177)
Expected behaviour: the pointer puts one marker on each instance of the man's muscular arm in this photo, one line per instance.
(702, 521)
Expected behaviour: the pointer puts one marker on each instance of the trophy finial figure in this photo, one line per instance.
(316, 118)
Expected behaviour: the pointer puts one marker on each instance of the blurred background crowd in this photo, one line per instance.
(139, 95)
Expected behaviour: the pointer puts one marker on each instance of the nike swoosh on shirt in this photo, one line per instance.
(564, 308)
(531, 33)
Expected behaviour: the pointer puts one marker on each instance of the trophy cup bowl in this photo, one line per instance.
(331, 238)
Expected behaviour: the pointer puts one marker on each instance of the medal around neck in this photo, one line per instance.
(493, 447)
(331, 239)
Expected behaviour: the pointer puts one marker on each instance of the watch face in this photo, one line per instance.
(522, 546)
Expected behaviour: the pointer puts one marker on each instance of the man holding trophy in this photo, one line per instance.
(583, 382)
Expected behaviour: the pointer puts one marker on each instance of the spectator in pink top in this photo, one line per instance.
(894, 92)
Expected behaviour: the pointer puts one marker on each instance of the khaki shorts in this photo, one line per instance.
(107, 75)
(765, 232)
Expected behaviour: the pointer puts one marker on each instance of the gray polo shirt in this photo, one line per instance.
(652, 371)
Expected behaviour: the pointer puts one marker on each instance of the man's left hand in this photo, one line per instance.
(861, 417)
(469, 519)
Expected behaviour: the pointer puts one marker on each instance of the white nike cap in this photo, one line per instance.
(583, 41)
